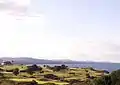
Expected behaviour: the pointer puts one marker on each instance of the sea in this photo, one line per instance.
(100, 66)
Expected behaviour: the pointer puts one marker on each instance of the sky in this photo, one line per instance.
(84, 30)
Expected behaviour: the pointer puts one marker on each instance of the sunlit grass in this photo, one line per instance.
(72, 73)
(9, 67)
(39, 82)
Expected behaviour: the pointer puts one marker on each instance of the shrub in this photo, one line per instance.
(115, 77)
(74, 81)
(58, 68)
(51, 76)
(87, 75)
(64, 66)
(105, 80)
(34, 82)
(23, 70)
(29, 71)
(16, 71)
(11, 70)
(34, 68)
(44, 65)
(41, 71)
(111, 79)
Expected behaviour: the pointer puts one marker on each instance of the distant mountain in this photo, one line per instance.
(27, 60)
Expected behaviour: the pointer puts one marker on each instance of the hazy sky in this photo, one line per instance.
(60, 29)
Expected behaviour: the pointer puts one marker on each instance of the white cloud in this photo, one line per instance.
(21, 2)
(15, 35)
(15, 7)
(96, 51)
(28, 37)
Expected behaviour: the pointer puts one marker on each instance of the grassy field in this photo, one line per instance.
(69, 74)
(39, 82)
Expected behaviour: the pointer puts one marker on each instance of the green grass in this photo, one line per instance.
(9, 67)
(78, 73)
(39, 82)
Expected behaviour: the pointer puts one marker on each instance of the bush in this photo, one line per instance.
(41, 71)
(23, 70)
(29, 71)
(11, 70)
(111, 79)
(34, 82)
(87, 75)
(58, 68)
(51, 76)
(74, 81)
(105, 80)
(16, 71)
(44, 65)
(34, 68)
(78, 82)
(64, 66)
(115, 77)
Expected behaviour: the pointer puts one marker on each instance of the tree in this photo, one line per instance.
(16, 71)
(111, 79)
(59, 68)
(104, 80)
(29, 71)
(115, 77)
(12, 61)
(64, 66)
(34, 67)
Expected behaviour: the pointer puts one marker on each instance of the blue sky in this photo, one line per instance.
(60, 29)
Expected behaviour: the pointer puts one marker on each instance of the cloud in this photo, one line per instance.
(96, 51)
(13, 30)
(14, 7)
